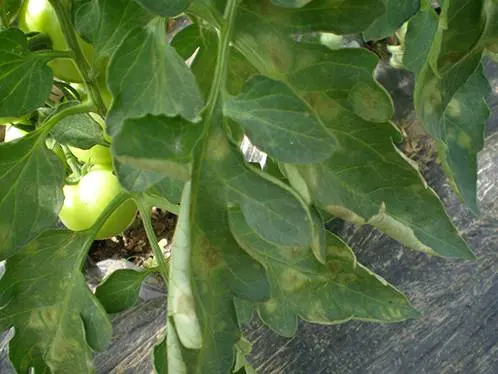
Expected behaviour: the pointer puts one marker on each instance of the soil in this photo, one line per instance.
(133, 244)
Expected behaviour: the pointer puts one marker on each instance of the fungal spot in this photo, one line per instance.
(292, 280)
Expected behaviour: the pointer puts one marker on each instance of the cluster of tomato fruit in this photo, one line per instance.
(85, 200)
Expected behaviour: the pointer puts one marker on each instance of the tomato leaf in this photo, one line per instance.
(242, 349)
(31, 180)
(319, 15)
(244, 310)
(120, 290)
(147, 76)
(79, 130)
(25, 78)
(335, 292)
(181, 301)
(157, 143)
(106, 23)
(43, 294)
(280, 123)
(419, 34)
(8, 12)
(366, 180)
(452, 105)
(397, 13)
(165, 8)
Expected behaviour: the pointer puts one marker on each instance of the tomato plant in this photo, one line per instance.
(39, 16)
(175, 102)
(84, 203)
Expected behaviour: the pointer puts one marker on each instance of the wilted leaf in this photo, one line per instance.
(332, 293)
(43, 294)
(25, 78)
(120, 290)
(31, 180)
(147, 76)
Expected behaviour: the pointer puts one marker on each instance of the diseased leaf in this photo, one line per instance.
(157, 143)
(220, 268)
(280, 123)
(147, 76)
(319, 15)
(452, 104)
(25, 78)
(165, 8)
(397, 12)
(418, 39)
(31, 180)
(244, 310)
(463, 136)
(43, 294)
(120, 290)
(242, 349)
(181, 302)
(366, 180)
(336, 292)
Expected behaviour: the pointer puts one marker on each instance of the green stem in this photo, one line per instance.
(71, 160)
(50, 55)
(81, 62)
(145, 213)
(222, 58)
(111, 207)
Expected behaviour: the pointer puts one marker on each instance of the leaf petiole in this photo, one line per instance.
(71, 161)
(145, 213)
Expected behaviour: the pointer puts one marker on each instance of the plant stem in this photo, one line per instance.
(81, 62)
(71, 160)
(50, 55)
(111, 207)
(145, 213)
(222, 58)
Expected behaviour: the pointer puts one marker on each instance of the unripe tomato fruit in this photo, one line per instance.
(84, 203)
(39, 16)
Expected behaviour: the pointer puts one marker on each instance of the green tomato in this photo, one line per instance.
(84, 203)
(39, 16)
